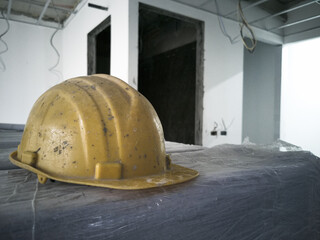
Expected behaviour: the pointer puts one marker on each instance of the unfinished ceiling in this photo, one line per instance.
(48, 13)
(282, 17)
(285, 18)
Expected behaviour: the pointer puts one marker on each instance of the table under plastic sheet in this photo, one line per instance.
(243, 192)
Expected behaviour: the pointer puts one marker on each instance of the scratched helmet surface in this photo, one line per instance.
(97, 130)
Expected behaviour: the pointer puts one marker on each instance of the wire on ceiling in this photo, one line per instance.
(232, 40)
(3, 65)
(243, 23)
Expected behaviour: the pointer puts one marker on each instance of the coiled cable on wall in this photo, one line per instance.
(243, 23)
(3, 65)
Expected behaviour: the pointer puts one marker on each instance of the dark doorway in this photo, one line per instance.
(99, 44)
(171, 71)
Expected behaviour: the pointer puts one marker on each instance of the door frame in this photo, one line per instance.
(199, 89)
(92, 53)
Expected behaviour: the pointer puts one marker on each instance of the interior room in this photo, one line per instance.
(228, 89)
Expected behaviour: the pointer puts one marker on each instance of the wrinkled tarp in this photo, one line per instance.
(243, 192)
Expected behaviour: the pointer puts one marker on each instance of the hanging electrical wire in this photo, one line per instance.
(3, 65)
(243, 23)
(55, 49)
(52, 69)
(232, 40)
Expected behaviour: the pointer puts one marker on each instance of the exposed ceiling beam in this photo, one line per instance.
(31, 21)
(44, 10)
(246, 8)
(294, 37)
(261, 33)
(295, 23)
(36, 3)
(283, 12)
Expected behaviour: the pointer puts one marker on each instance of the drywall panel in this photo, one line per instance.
(261, 94)
(75, 38)
(300, 99)
(27, 74)
(223, 69)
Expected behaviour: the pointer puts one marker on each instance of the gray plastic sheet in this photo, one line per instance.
(243, 192)
(9, 141)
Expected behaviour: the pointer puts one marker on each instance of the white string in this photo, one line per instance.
(232, 40)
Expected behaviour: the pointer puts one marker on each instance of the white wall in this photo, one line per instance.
(27, 62)
(223, 69)
(261, 94)
(222, 66)
(223, 62)
(300, 102)
(30, 56)
(75, 38)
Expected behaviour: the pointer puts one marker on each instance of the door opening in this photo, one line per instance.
(171, 71)
(261, 93)
(99, 44)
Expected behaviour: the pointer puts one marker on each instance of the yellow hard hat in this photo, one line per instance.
(98, 131)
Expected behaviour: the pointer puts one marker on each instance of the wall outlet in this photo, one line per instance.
(214, 133)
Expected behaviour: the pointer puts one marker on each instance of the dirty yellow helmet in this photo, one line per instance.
(99, 131)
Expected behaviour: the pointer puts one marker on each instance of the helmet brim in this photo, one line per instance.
(176, 174)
